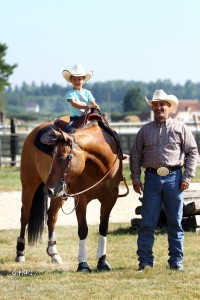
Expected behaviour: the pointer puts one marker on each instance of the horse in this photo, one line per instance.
(86, 165)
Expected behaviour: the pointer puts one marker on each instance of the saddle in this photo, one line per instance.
(88, 115)
(83, 119)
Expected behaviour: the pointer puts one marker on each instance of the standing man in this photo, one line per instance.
(167, 150)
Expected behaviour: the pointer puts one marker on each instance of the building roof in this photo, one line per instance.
(189, 105)
(187, 110)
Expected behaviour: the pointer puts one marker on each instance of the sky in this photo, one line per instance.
(140, 40)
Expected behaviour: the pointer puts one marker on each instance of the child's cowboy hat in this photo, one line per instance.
(160, 95)
(77, 71)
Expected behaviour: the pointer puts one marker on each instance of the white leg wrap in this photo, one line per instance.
(52, 250)
(101, 250)
(82, 255)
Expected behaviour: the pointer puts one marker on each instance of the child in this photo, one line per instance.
(79, 98)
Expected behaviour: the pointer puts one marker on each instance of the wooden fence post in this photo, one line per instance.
(13, 148)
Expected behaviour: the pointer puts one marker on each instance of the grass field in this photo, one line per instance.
(38, 278)
(10, 177)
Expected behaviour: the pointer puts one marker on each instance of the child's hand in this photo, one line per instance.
(96, 106)
(88, 106)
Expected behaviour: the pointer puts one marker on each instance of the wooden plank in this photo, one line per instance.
(191, 222)
(192, 208)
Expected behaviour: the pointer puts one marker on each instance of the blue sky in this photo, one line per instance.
(136, 40)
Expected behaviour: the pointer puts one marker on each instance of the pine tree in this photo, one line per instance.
(5, 69)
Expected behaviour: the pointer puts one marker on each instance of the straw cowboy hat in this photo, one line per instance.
(160, 95)
(77, 71)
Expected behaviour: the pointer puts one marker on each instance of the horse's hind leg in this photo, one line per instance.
(21, 240)
(27, 199)
(52, 218)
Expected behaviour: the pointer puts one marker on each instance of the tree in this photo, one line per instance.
(134, 100)
(5, 69)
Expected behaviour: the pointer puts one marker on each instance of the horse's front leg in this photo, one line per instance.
(106, 208)
(82, 233)
(53, 210)
(102, 264)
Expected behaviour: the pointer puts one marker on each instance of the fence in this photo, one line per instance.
(12, 139)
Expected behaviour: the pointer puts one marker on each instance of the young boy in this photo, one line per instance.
(79, 98)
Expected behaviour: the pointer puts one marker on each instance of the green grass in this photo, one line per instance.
(49, 281)
(10, 177)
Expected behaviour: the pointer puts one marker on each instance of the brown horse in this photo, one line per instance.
(86, 164)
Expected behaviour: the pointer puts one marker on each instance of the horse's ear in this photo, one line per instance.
(50, 137)
(65, 136)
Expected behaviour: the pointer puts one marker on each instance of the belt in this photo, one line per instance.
(171, 169)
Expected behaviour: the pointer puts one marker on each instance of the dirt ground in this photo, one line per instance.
(123, 211)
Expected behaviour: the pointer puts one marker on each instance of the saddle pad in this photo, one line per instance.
(48, 149)
(112, 133)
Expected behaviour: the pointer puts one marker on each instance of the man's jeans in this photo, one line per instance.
(158, 190)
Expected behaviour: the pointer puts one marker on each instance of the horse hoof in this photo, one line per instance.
(83, 268)
(20, 259)
(56, 259)
(103, 266)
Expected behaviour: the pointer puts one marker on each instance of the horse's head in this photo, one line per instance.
(67, 163)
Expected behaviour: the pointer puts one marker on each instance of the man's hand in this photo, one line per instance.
(138, 188)
(184, 186)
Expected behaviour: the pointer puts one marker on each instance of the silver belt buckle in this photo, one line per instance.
(162, 171)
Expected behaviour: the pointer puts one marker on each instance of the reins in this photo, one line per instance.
(74, 208)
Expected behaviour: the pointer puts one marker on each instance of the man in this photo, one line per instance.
(163, 147)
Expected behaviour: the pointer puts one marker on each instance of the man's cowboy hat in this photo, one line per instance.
(77, 71)
(160, 95)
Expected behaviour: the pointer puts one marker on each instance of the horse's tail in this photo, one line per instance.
(38, 215)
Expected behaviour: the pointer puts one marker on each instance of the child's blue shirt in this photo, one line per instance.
(84, 97)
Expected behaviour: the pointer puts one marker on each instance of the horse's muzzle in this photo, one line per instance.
(53, 192)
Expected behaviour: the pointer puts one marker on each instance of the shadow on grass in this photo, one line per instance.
(123, 231)
(134, 231)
